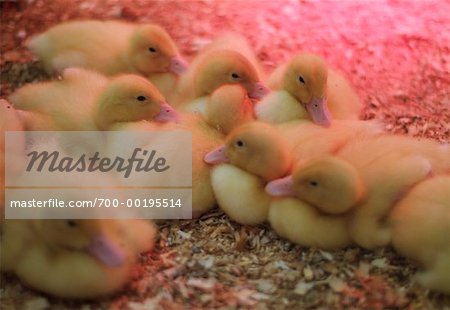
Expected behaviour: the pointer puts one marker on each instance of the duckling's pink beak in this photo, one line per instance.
(106, 251)
(281, 187)
(259, 90)
(167, 114)
(216, 156)
(177, 65)
(318, 110)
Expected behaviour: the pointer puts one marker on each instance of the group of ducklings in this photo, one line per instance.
(288, 149)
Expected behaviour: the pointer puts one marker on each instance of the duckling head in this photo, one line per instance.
(306, 80)
(228, 107)
(92, 236)
(330, 184)
(255, 147)
(222, 67)
(152, 50)
(130, 98)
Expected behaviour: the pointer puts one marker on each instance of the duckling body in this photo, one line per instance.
(310, 141)
(305, 88)
(240, 194)
(421, 230)
(305, 225)
(386, 179)
(110, 47)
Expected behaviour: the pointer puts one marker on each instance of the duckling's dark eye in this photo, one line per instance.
(240, 143)
(313, 183)
(71, 223)
(235, 76)
(301, 79)
(141, 98)
(152, 50)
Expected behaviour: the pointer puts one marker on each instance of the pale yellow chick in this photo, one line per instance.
(421, 230)
(73, 258)
(86, 100)
(305, 87)
(390, 165)
(110, 47)
(313, 203)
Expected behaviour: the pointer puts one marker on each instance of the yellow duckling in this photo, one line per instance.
(213, 68)
(316, 197)
(328, 183)
(257, 153)
(72, 258)
(421, 230)
(86, 100)
(306, 88)
(390, 165)
(110, 47)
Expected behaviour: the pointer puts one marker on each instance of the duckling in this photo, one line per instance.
(110, 47)
(421, 230)
(86, 100)
(306, 86)
(390, 166)
(256, 153)
(213, 68)
(328, 183)
(72, 258)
